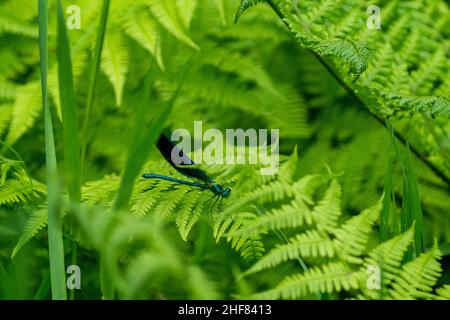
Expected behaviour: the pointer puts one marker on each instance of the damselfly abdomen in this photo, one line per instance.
(166, 147)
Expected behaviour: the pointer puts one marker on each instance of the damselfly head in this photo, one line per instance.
(226, 192)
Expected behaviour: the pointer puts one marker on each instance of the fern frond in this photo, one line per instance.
(26, 108)
(435, 106)
(189, 214)
(417, 277)
(12, 25)
(115, 62)
(292, 215)
(7, 90)
(308, 244)
(245, 4)
(328, 210)
(101, 190)
(352, 237)
(444, 292)
(144, 30)
(166, 208)
(389, 255)
(250, 247)
(35, 223)
(333, 277)
(169, 16)
(220, 5)
(355, 54)
(14, 191)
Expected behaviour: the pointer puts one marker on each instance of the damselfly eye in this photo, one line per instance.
(226, 192)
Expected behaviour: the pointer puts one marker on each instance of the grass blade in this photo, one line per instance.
(412, 201)
(384, 216)
(69, 111)
(55, 238)
(411, 213)
(144, 138)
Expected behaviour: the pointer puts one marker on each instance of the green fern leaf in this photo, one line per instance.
(333, 277)
(168, 14)
(144, 30)
(245, 4)
(35, 223)
(14, 191)
(444, 292)
(328, 210)
(189, 214)
(25, 110)
(352, 237)
(115, 62)
(417, 277)
(220, 5)
(308, 244)
(389, 255)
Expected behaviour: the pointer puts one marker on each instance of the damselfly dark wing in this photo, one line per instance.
(167, 146)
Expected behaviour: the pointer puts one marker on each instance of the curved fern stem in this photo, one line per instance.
(360, 102)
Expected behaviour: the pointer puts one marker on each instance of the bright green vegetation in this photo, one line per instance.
(364, 179)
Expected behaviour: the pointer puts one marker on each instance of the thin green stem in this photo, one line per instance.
(93, 78)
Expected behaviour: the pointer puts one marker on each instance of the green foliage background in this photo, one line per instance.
(364, 141)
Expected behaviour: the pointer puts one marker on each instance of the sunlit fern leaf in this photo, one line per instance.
(36, 222)
(143, 202)
(289, 167)
(308, 244)
(290, 215)
(12, 25)
(221, 8)
(389, 255)
(417, 277)
(15, 191)
(352, 237)
(190, 212)
(101, 190)
(245, 4)
(293, 214)
(16, 10)
(26, 108)
(186, 8)
(145, 31)
(330, 278)
(444, 292)
(271, 192)
(115, 62)
(165, 208)
(328, 210)
(250, 247)
(168, 14)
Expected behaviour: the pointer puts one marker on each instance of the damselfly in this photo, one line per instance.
(167, 147)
